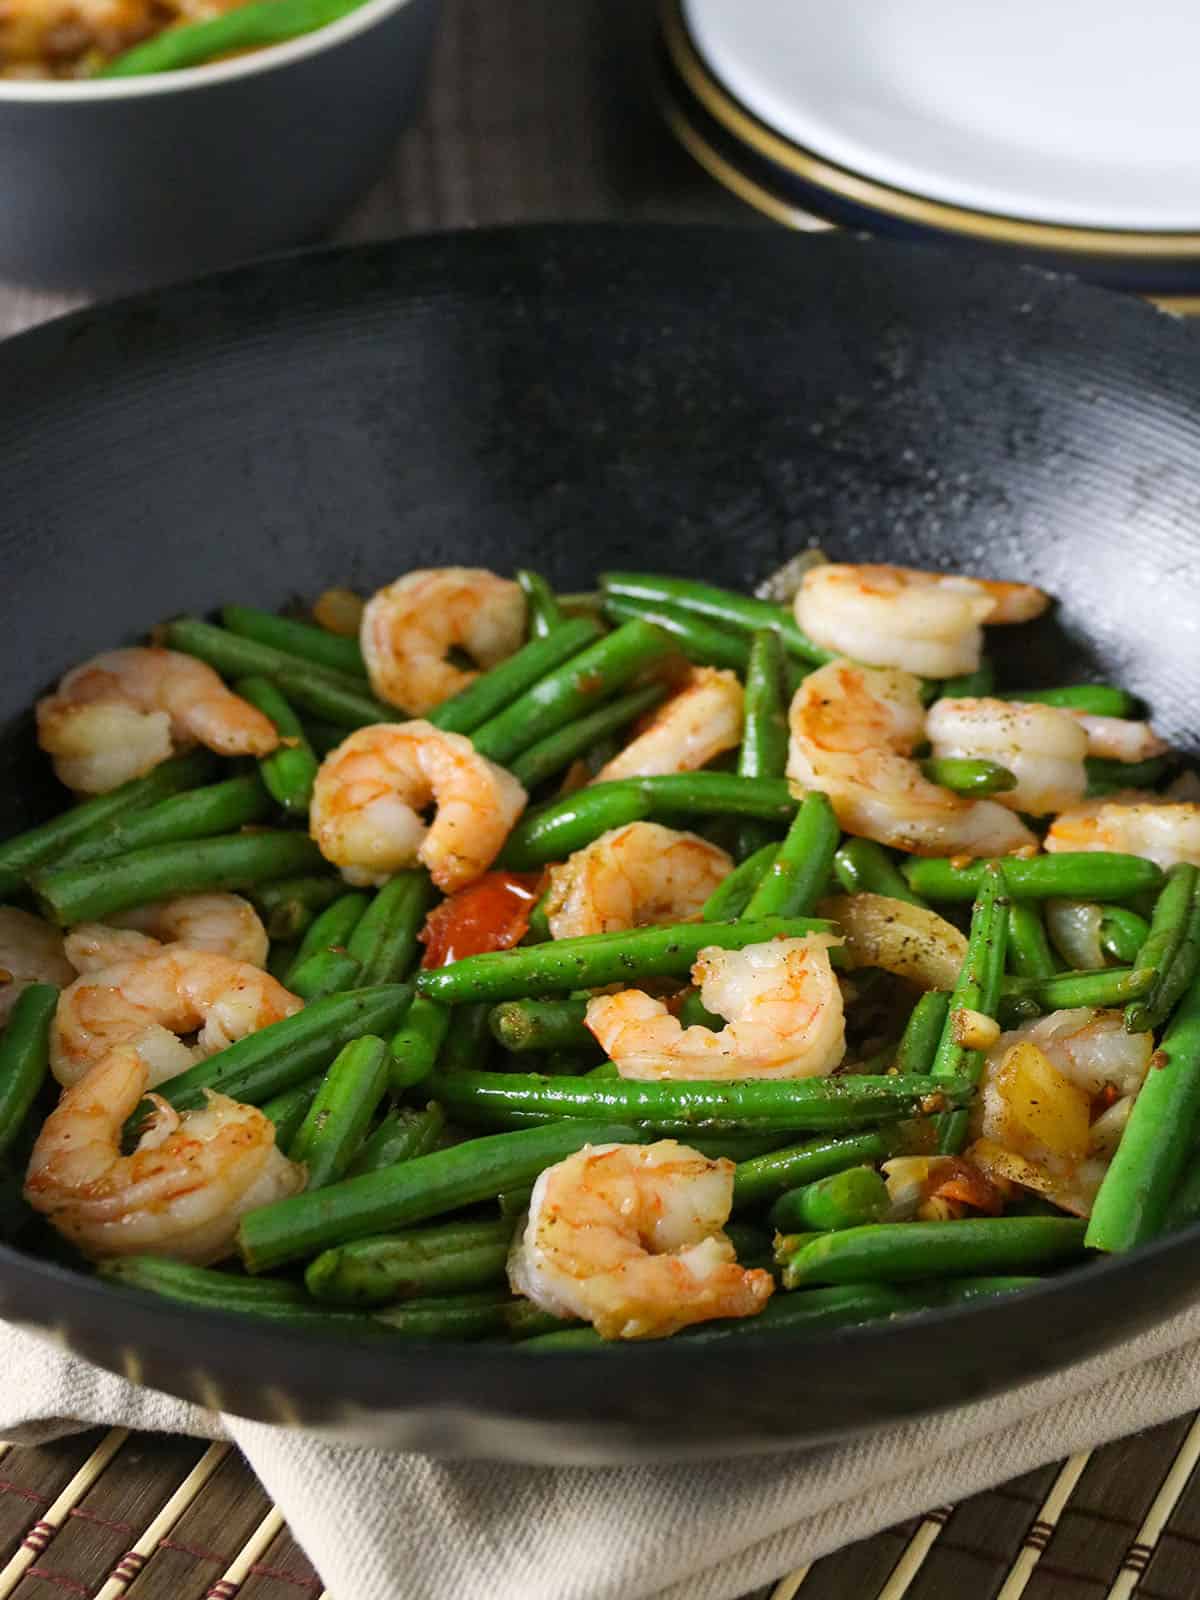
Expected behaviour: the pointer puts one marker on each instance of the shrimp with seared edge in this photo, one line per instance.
(687, 731)
(224, 924)
(1042, 746)
(120, 714)
(632, 876)
(155, 998)
(370, 792)
(409, 629)
(183, 1189)
(630, 1238)
(929, 623)
(783, 1010)
(31, 951)
(853, 731)
(1135, 822)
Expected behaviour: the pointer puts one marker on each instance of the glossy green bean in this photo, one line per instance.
(1069, 875)
(330, 930)
(500, 686)
(402, 1135)
(796, 878)
(24, 1057)
(726, 606)
(692, 636)
(289, 1109)
(542, 608)
(1029, 952)
(1122, 934)
(251, 27)
(901, 1252)
(1164, 943)
(288, 773)
(1095, 699)
(965, 776)
(553, 754)
(766, 1177)
(384, 943)
(923, 1033)
(521, 1025)
(1105, 777)
(447, 1258)
(863, 867)
(303, 639)
(342, 1111)
(326, 973)
(418, 1042)
(196, 814)
(843, 1200)
(730, 898)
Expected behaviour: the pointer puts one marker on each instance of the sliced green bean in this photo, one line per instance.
(571, 690)
(843, 1200)
(795, 880)
(730, 898)
(923, 1033)
(556, 752)
(418, 1042)
(1029, 952)
(965, 776)
(901, 1252)
(446, 1258)
(402, 1135)
(521, 1025)
(289, 772)
(24, 1057)
(1122, 934)
(385, 941)
(497, 688)
(252, 27)
(693, 637)
(233, 861)
(593, 960)
(725, 606)
(343, 1110)
(1134, 1196)
(289, 1109)
(864, 867)
(1068, 875)
(1094, 699)
(1168, 931)
(294, 638)
(196, 814)
(288, 906)
(331, 930)
(445, 1180)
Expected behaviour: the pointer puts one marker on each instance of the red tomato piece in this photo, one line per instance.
(490, 914)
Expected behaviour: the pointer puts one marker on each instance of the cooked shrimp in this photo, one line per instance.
(31, 951)
(1119, 738)
(370, 792)
(1042, 746)
(687, 731)
(182, 1190)
(409, 628)
(155, 998)
(853, 733)
(223, 923)
(631, 876)
(924, 622)
(630, 1237)
(780, 1000)
(1134, 822)
(120, 714)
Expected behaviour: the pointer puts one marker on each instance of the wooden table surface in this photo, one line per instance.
(539, 109)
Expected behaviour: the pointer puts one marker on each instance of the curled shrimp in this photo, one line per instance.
(853, 731)
(1120, 738)
(31, 951)
(182, 1190)
(224, 924)
(155, 998)
(628, 877)
(370, 792)
(409, 628)
(1042, 746)
(630, 1237)
(782, 1006)
(120, 714)
(1134, 822)
(929, 623)
(687, 731)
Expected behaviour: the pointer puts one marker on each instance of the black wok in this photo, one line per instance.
(696, 400)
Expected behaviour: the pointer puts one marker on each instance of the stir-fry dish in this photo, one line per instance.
(484, 962)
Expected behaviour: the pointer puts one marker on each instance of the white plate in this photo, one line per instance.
(1071, 111)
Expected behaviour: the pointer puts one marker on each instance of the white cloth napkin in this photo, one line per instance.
(377, 1525)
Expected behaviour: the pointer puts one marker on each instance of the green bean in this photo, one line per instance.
(385, 941)
(450, 1316)
(497, 688)
(538, 930)
(330, 931)
(544, 611)
(794, 881)
(403, 1134)
(1122, 934)
(521, 1025)
(282, 1303)
(863, 867)
(289, 772)
(926, 1024)
(253, 27)
(334, 696)
(969, 685)
(38, 846)
(731, 897)
(765, 1177)
(468, 1042)
(230, 861)
(596, 959)
(901, 1252)
(445, 1180)
(1029, 952)
(303, 639)
(196, 814)
(416, 1045)
(795, 1105)
(280, 959)
(1184, 1206)
(444, 1259)
(264, 1064)
(1185, 963)
(289, 1109)
(1105, 777)
(556, 752)
(1136, 1191)
(572, 689)
(763, 751)
(1069, 875)
(964, 776)
(1106, 986)
(725, 606)
(555, 831)
(842, 1200)
(288, 906)
(697, 640)
(1168, 928)
(978, 989)
(343, 1110)
(326, 973)
(1094, 699)
(24, 1057)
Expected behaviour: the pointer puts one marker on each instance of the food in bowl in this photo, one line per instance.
(851, 985)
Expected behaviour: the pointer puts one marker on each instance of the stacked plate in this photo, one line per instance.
(1061, 131)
